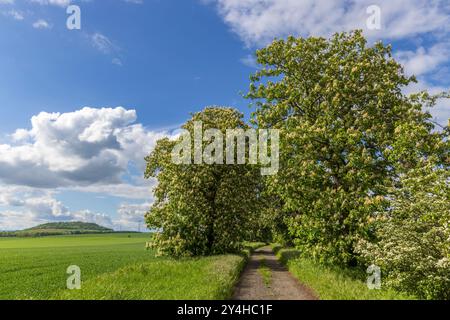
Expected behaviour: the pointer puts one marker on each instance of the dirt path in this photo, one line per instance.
(276, 284)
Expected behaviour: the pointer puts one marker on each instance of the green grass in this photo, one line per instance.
(113, 266)
(210, 278)
(265, 272)
(35, 268)
(252, 246)
(101, 240)
(333, 283)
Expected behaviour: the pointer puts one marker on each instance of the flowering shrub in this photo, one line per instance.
(413, 250)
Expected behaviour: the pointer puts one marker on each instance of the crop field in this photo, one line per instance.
(113, 266)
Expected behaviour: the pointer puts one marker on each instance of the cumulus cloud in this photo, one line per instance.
(91, 150)
(28, 207)
(27, 218)
(422, 23)
(122, 190)
(81, 148)
(93, 217)
(131, 216)
(424, 60)
(24, 207)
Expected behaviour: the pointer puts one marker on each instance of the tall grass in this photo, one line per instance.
(207, 278)
(332, 282)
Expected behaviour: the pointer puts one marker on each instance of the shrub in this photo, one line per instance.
(413, 250)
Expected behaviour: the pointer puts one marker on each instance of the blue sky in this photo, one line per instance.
(158, 60)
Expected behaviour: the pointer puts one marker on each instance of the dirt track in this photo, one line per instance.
(283, 286)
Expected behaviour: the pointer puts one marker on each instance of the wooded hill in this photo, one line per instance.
(58, 228)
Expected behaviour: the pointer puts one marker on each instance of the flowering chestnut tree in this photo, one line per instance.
(202, 208)
(340, 107)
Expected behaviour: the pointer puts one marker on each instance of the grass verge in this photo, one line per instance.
(207, 278)
(332, 283)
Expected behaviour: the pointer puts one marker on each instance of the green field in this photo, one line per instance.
(113, 266)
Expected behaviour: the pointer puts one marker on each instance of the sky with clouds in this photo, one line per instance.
(80, 109)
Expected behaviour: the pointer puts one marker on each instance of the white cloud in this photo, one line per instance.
(59, 3)
(90, 150)
(27, 218)
(42, 208)
(31, 209)
(93, 217)
(422, 60)
(25, 207)
(21, 135)
(440, 112)
(83, 148)
(249, 61)
(117, 62)
(257, 22)
(15, 14)
(102, 43)
(106, 46)
(42, 24)
(131, 216)
(122, 190)
(15, 220)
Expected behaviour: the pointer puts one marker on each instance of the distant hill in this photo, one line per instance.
(80, 226)
(59, 228)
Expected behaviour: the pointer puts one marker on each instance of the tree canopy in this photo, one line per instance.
(202, 209)
(363, 170)
(345, 121)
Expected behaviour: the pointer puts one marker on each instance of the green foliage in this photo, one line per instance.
(272, 224)
(413, 247)
(347, 132)
(252, 246)
(333, 282)
(202, 209)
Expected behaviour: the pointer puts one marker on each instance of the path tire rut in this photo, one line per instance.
(283, 286)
